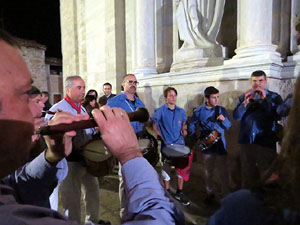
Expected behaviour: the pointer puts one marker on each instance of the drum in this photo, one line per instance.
(207, 142)
(149, 150)
(98, 160)
(176, 155)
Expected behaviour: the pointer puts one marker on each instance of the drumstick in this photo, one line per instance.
(140, 115)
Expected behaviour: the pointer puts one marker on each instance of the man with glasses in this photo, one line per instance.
(128, 101)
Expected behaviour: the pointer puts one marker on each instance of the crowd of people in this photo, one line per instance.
(34, 168)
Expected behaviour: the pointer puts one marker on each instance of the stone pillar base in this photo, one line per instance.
(294, 61)
(191, 58)
(256, 53)
(144, 71)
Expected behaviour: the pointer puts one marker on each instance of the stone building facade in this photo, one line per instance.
(44, 76)
(34, 56)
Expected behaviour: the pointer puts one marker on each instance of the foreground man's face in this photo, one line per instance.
(16, 121)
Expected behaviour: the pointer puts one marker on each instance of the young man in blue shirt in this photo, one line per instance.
(256, 109)
(212, 117)
(170, 127)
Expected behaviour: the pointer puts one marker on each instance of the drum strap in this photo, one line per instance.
(217, 112)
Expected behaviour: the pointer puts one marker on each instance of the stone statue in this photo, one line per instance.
(199, 23)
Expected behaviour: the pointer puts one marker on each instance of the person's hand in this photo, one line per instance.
(261, 92)
(221, 117)
(60, 145)
(117, 133)
(183, 132)
(159, 137)
(38, 122)
(248, 95)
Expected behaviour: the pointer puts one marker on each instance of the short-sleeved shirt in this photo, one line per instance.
(205, 117)
(169, 123)
(123, 102)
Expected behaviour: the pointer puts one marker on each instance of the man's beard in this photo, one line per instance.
(15, 139)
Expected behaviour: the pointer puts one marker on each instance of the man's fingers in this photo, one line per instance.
(99, 117)
(104, 107)
(71, 133)
(118, 112)
(64, 117)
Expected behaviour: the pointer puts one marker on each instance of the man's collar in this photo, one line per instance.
(167, 106)
(125, 96)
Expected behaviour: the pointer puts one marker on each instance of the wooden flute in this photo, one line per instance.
(140, 115)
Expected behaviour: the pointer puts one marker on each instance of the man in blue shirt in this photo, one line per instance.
(128, 101)
(170, 127)
(212, 117)
(256, 109)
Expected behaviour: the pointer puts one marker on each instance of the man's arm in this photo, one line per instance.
(192, 123)
(284, 108)
(183, 131)
(34, 182)
(147, 202)
(155, 118)
(156, 131)
(240, 108)
(146, 199)
(224, 120)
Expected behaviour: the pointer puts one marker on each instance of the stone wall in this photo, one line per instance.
(39, 67)
(34, 56)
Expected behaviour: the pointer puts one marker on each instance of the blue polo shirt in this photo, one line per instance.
(169, 123)
(205, 117)
(258, 119)
(123, 102)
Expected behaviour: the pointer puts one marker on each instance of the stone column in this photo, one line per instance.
(295, 27)
(69, 37)
(145, 38)
(294, 60)
(255, 32)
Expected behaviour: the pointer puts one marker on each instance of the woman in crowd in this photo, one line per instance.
(36, 106)
(90, 103)
(92, 92)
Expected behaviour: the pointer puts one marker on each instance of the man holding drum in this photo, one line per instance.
(170, 127)
(212, 120)
(70, 188)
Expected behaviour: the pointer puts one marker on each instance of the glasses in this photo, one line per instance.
(131, 82)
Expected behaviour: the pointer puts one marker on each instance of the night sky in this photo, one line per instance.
(37, 20)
